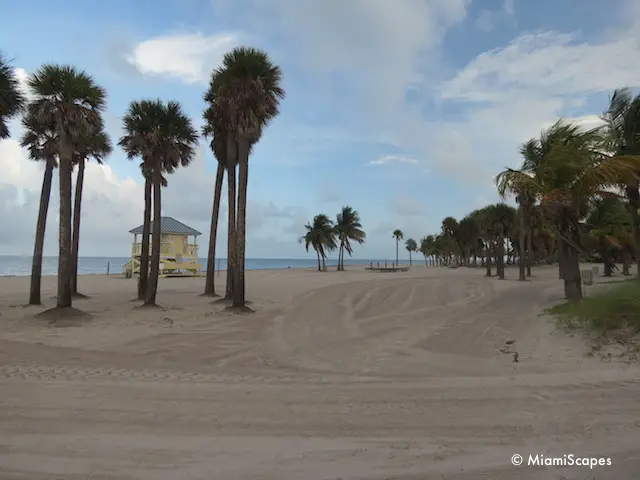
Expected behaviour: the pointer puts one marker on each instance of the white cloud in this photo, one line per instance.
(23, 77)
(547, 63)
(393, 159)
(189, 57)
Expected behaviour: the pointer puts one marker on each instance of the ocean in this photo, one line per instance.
(21, 265)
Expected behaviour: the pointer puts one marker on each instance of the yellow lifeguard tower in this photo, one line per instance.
(178, 257)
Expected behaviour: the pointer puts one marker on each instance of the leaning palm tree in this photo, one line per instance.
(398, 235)
(246, 91)
(622, 125)
(348, 227)
(218, 146)
(95, 144)
(576, 169)
(70, 103)
(169, 140)
(321, 236)
(12, 100)
(411, 246)
(42, 145)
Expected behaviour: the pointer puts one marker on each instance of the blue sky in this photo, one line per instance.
(404, 110)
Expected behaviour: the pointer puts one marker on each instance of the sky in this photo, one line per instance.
(405, 109)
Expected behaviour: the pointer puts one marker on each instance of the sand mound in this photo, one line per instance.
(64, 317)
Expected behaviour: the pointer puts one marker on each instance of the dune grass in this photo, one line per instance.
(615, 309)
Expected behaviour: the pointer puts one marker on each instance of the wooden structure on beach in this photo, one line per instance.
(387, 268)
(178, 256)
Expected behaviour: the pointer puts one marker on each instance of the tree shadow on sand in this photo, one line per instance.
(228, 303)
(64, 317)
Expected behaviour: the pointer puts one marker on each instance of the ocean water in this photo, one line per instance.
(21, 265)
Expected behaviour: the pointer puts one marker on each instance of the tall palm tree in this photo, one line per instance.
(398, 235)
(525, 199)
(12, 100)
(246, 91)
(70, 103)
(169, 142)
(622, 124)
(575, 168)
(218, 146)
(411, 246)
(42, 144)
(348, 227)
(321, 236)
(140, 125)
(96, 144)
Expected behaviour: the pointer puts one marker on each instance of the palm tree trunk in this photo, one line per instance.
(340, 254)
(36, 266)
(64, 254)
(152, 288)
(143, 279)
(521, 259)
(209, 285)
(529, 255)
(561, 258)
(396, 251)
(241, 227)
(410, 261)
(76, 227)
(319, 265)
(500, 258)
(231, 203)
(571, 272)
(626, 263)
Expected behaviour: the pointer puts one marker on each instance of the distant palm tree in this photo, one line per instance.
(246, 91)
(321, 235)
(70, 103)
(42, 144)
(170, 143)
(398, 235)
(96, 144)
(218, 146)
(348, 227)
(12, 100)
(411, 246)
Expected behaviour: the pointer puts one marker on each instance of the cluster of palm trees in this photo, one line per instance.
(63, 127)
(577, 195)
(325, 235)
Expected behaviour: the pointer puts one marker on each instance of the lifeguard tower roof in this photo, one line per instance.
(169, 225)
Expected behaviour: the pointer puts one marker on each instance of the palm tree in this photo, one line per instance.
(411, 246)
(525, 198)
(398, 235)
(574, 168)
(218, 146)
(12, 100)
(96, 144)
(246, 91)
(42, 144)
(321, 235)
(70, 103)
(622, 124)
(140, 125)
(608, 229)
(165, 138)
(348, 227)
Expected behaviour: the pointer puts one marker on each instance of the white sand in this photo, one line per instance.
(349, 375)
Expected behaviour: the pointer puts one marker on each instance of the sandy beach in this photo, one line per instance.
(338, 375)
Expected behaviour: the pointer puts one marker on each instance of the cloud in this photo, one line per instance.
(549, 63)
(186, 57)
(393, 159)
